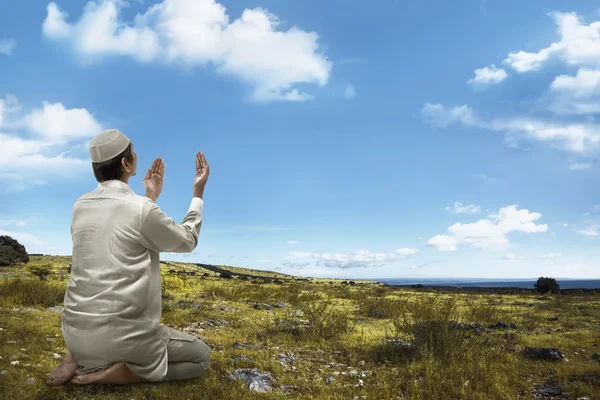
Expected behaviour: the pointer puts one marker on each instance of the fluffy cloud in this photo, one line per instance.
(199, 33)
(592, 231)
(571, 137)
(292, 242)
(441, 117)
(358, 259)
(490, 232)
(512, 257)
(7, 46)
(488, 76)
(459, 208)
(25, 159)
(579, 45)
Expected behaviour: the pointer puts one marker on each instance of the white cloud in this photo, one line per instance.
(7, 46)
(459, 208)
(578, 94)
(591, 231)
(571, 137)
(584, 84)
(349, 92)
(580, 166)
(7, 222)
(358, 259)
(300, 254)
(552, 255)
(579, 46)
(491, 232)
(488, 76)
(596, 208)
(439, 116)
(58, 124)
(200, 33)
(29, 152)
(292, 242)
(512, 257)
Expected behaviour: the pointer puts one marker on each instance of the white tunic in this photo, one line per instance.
(112, 305)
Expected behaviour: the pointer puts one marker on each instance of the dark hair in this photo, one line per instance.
(112, 169)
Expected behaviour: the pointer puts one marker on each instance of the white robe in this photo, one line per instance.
(112, 305)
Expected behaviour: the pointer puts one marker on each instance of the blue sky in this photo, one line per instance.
(422, 139)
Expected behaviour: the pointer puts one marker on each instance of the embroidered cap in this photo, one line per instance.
(107, 145)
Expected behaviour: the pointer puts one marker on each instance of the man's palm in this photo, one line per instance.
(154, 179)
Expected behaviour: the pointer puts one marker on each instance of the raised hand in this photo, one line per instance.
(202, 172)
(154, 179)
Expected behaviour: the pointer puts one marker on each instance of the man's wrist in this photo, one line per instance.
(151, 197)
(198, 193)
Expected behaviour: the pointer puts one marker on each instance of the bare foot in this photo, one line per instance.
(116, 374)
(63, 372)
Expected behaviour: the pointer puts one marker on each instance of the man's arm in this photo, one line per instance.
(161, 234)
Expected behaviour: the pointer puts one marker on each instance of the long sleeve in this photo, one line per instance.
(161, 234)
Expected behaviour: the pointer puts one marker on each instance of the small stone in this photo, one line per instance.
(363, 374)
(50, 339)
(14, 362)
(30, 380)
(583, 398)
(56, 356)
(361, 383)
(11, 341)
(14, 356)
(361, 362)
(329, 379)
(336, 373)
(3, 372)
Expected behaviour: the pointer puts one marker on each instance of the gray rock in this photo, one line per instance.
(253, 379)
(502, 325)
(545, 353)
(238, 345)
(329, 379)
(56, 308)
(30, 380)
(3, 372)
(241, 358)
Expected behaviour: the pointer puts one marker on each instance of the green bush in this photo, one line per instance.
(41, 270)
(12, 252)
(381, 307)
(325, 319)
(30, 292)
(545, 285)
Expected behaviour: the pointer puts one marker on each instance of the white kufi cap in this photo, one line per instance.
(107, 145)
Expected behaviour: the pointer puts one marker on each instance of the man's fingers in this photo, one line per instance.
(198, 160)
(162, 168)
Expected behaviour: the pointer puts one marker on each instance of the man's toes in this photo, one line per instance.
(79, 380)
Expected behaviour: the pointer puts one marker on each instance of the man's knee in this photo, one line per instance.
(202, 352)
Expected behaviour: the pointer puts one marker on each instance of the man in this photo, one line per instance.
(112, 305)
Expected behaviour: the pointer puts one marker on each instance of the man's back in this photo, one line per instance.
(111, 269)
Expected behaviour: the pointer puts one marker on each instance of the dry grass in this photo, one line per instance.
(330, 329)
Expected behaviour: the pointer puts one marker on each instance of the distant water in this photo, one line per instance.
(526, 284)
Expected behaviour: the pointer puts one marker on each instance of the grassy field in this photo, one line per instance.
(322, 339)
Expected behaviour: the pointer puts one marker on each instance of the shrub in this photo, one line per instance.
(381, 307)
(545, 285)
(326, 321)
(433, 329)
(12, 252)
(173, 283)
(41, 270)
(30, 292)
